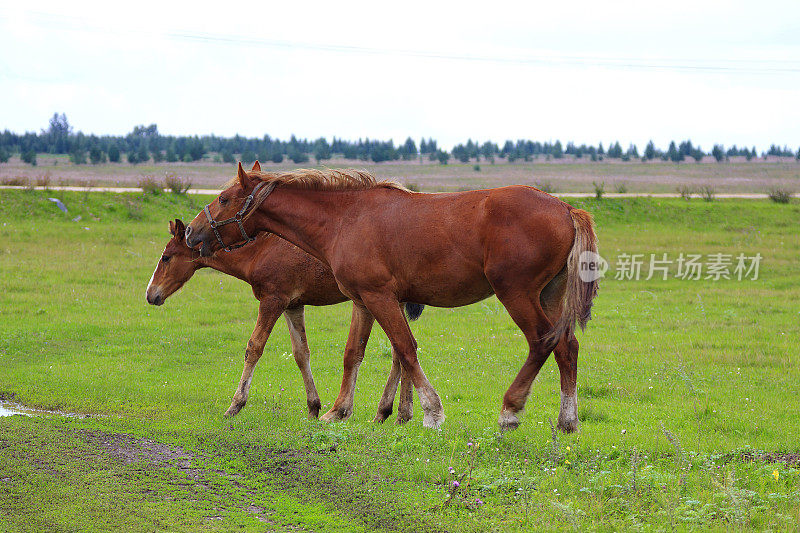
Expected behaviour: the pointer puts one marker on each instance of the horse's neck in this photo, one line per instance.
(308, 219)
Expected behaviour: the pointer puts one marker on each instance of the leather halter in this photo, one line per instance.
(239, 217)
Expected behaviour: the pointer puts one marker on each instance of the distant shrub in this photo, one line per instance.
(780, 196)
(621, 188)
(150, 185)
(277, 157)
(175, 184)
(545, 186)
(16, 181)
(708, 193)
(685, 191)
(599, 189)
(4, 155)
(476, 168)
(78, 157)
(29, 156)
(187, 158)
(412, 187)
(297, 157)
(43, 180)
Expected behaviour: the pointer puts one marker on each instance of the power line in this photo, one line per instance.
(723, 66)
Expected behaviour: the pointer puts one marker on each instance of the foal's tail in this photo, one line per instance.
(581, 282)
(413, 311)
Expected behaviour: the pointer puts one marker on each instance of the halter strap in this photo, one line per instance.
(239, 216)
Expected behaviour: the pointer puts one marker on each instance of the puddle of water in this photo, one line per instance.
(10, 408)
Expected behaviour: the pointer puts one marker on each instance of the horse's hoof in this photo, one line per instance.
(568, 426)
(336, 415)
(508, 421)
(432, 421)
(382, 415)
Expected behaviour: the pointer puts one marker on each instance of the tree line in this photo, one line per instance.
(145, 143)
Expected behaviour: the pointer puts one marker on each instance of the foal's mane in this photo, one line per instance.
(345, 179)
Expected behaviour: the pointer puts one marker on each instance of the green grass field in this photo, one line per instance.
(687, 391)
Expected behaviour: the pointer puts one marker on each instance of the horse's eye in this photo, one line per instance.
(165, 258)
(223, 200)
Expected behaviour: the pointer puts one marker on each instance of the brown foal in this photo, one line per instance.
(284, 279)
(386, 245)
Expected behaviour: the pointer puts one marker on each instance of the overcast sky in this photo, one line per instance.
(585, 71)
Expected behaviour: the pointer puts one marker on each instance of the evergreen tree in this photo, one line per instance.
(96, 155)
(4, 155)
(113, 153)
(442, 156)
(322, 150)
(650, 151)
(171, 156)
(718, 152)
(673, 154)
(557, 152)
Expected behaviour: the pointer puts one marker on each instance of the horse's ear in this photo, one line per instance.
(256, 166)
(244, 179)
(172, 228)
(180, 229)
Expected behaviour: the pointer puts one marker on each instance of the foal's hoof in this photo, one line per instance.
(382, 415)
(508, 421)
(233, 410)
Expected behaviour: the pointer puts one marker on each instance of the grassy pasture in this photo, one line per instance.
(687, 391)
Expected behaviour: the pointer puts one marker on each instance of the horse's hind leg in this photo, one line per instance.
(268, 312)
(295, 318)
(360, 328)
(531, 319)
(566, 354)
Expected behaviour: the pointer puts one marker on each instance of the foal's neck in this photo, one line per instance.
(238, 263)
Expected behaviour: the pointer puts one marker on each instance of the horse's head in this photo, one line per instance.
(221, 223)
(175, 267)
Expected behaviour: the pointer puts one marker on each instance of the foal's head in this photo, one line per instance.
(176, 266)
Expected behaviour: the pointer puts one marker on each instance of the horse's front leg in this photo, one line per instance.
(295, 318)
(360, 328)
(268, 313)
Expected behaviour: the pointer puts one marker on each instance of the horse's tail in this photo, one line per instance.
(413, 311)
(579, 293)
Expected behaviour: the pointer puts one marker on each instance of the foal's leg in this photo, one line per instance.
(531, 319)
(360, 328)
(397, 375)
(295, 318)
(268, 313)
(566, 354)
(391, 318)
(405, 407)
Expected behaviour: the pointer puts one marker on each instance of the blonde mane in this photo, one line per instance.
(345, 179)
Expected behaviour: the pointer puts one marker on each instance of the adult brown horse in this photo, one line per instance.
(284, 279)
(386, 245)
